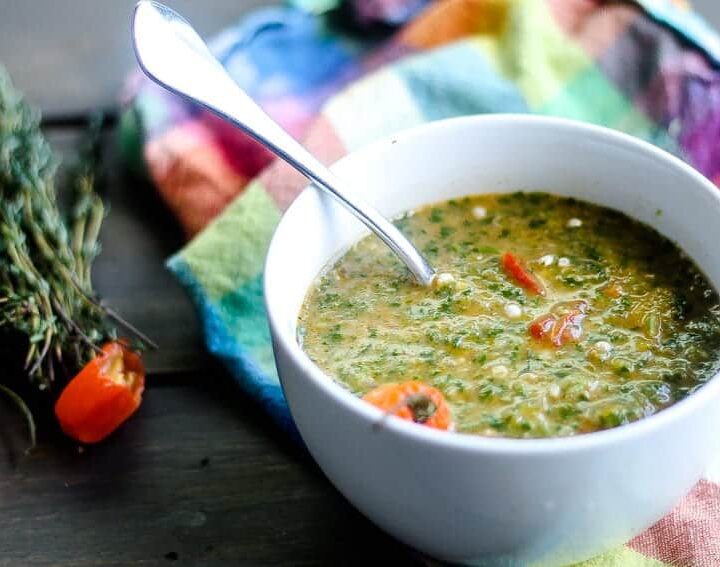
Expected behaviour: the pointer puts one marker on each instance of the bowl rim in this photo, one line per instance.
(505, 446)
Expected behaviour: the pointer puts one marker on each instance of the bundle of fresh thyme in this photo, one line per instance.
(47, 303)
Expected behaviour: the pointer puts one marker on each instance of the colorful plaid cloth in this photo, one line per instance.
(340, 81)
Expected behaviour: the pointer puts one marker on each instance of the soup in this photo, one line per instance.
(549, 317)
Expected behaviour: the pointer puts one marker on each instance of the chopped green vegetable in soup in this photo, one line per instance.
(550, 316)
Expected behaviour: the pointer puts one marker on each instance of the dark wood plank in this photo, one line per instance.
(69, 56)
(139, 234)
(198, 476)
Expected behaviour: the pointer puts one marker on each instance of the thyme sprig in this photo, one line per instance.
(46, 256)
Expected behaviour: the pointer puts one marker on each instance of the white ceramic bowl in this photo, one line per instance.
(467, 498)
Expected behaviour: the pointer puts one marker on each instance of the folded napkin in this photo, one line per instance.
(340, 75)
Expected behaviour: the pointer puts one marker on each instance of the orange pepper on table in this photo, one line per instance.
(105, 393)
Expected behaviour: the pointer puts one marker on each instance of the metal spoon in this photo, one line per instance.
(172, 54)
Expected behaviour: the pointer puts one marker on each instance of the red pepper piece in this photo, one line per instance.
(542, 326)
(106, 392)
(515, 268)
(558, 330)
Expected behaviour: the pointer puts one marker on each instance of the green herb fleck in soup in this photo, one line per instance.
(551, 317)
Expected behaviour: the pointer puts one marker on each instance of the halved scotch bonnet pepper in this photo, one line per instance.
(104, 394)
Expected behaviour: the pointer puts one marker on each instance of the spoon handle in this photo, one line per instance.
(171, 53)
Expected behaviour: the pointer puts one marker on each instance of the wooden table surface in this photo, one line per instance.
(199, 476)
